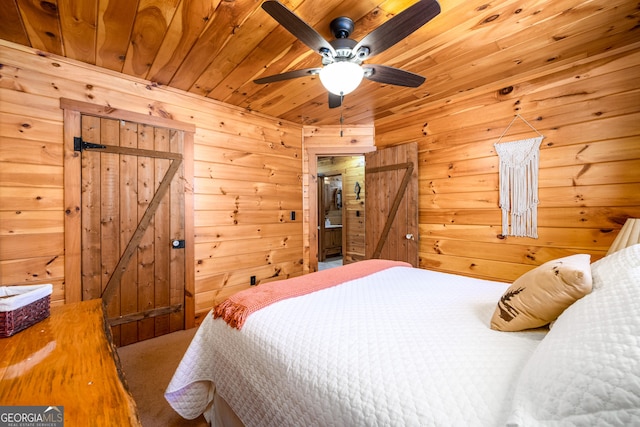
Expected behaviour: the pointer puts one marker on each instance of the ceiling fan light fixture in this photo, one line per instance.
(341, 77)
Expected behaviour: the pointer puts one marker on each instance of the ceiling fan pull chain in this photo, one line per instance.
(341, 110)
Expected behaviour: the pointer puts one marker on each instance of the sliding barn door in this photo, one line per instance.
(133, 226)
(391, 220)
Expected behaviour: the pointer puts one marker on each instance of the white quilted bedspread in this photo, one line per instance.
(403, 347)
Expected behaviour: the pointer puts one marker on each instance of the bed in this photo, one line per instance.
(413, 347)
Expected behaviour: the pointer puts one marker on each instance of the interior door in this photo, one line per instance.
(133, 226)
(391, 220)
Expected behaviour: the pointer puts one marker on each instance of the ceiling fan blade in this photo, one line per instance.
(393, 76)
(288, 75)
(334, 100)
(296, 26)
(399, 27)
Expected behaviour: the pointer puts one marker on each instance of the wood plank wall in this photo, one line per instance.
(251, 171)
(589, 179)
(247, 176)
(352, 170)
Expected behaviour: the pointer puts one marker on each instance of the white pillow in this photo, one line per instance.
(586, 371)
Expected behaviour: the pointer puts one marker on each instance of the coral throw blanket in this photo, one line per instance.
(235, 309)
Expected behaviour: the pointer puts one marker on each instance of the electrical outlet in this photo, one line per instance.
(253, 280)
(293, 215)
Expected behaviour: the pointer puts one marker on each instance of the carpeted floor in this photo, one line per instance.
(148, 366)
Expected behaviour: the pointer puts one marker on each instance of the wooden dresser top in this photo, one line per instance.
(68, 360)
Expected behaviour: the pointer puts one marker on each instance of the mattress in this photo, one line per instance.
(403, 346)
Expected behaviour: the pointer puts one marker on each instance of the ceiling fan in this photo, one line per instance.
(342, 59)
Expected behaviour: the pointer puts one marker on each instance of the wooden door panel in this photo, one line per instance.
(111, 175)
(146, 263)
(177, 273)
(391, 182)
(126, 290)
(138, 212)
(162, 235)
(91, 265)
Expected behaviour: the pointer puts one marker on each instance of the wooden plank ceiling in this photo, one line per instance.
(216, 48)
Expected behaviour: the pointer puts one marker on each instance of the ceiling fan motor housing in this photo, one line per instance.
(344, 51)
(341, 27)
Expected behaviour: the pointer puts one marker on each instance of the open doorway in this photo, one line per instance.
(340, 213)
(330, 220)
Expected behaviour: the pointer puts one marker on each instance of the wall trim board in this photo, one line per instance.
(119, 114)
(72, 212)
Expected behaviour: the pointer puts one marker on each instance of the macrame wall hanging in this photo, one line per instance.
(519, 184)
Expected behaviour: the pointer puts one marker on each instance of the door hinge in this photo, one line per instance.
(79, 145)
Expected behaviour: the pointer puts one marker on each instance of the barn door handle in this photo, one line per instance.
(409, 236)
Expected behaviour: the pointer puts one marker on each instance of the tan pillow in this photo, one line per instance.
(539, 296)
